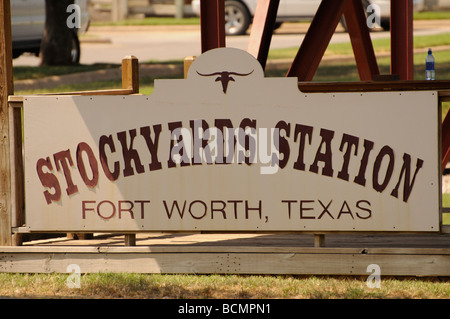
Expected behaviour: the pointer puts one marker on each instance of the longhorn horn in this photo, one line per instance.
(241, 74)
(215, 73)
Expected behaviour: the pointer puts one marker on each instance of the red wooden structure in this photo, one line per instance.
(317, 39)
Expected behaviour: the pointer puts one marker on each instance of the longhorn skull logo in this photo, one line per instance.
(225, 77)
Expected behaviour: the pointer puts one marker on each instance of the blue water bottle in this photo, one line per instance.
(429, 66)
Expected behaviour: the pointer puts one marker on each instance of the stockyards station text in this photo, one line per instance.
(221, 143)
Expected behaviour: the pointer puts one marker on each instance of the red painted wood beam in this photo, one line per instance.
(262, 29)
(359, 33)
(402, 49)
(317, 39)
(445, 140)
(212, 24)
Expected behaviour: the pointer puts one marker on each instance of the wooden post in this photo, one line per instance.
(402, 48)
(130, 239)
(130, 80)
(212, 24)
(130, 73)
(360, 37)
(262, 29)
(187, 64)
(6, 88)
(17, 172)
(319, 240)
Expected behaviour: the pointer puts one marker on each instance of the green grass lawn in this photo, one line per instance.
(151, 21)
(134, 286)
(380, 46)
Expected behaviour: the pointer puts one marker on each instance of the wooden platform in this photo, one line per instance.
(396, 254)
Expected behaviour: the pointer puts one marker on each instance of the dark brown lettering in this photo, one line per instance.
(152, 145)
(366, 209)
(48, 180)
(283, 148)
(130, 154)
(90, 182)
(221, 209)
(408, 183)
(385, 151)
(361, 177)
(107, 140)
(304, 131)
(111, 204)
(350, 141)
(64, 159)
(305, 209)
(326, 157)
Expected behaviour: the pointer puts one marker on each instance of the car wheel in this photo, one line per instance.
(385, 24)
(75, 50)
(277, 25)
(16, 54)
(237, 18)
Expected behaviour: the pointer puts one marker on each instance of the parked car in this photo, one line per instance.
(27, 26)
(239, 13)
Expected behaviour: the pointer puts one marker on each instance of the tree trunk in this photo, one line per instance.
(56, 45)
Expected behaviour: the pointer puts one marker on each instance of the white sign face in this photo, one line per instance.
(229, 150)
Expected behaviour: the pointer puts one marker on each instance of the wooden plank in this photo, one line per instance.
(445, 140)
(444, 95)
(187, 64)
(402, 48)
(95, 92)
(6, 88)
(268, 240)
(229, 263)
(319, 240)
(262, 29)
(17, 173)
(176, 249)
(212, 24)
(130, 74)
(130, 240)
(374, 86)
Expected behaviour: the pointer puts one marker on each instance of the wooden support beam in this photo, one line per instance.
(441, 86)
(130, 239)
(317, 39)
(6, 88)
(445, 140)
(17, 172)
(262, 29)
(319, 240)
(402, 49)
(359, 33)
(187, 64)
(130, 74)
(212, 24)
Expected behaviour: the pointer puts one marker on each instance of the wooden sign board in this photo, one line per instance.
(229, 150)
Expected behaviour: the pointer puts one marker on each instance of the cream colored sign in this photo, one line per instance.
(230, 150)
